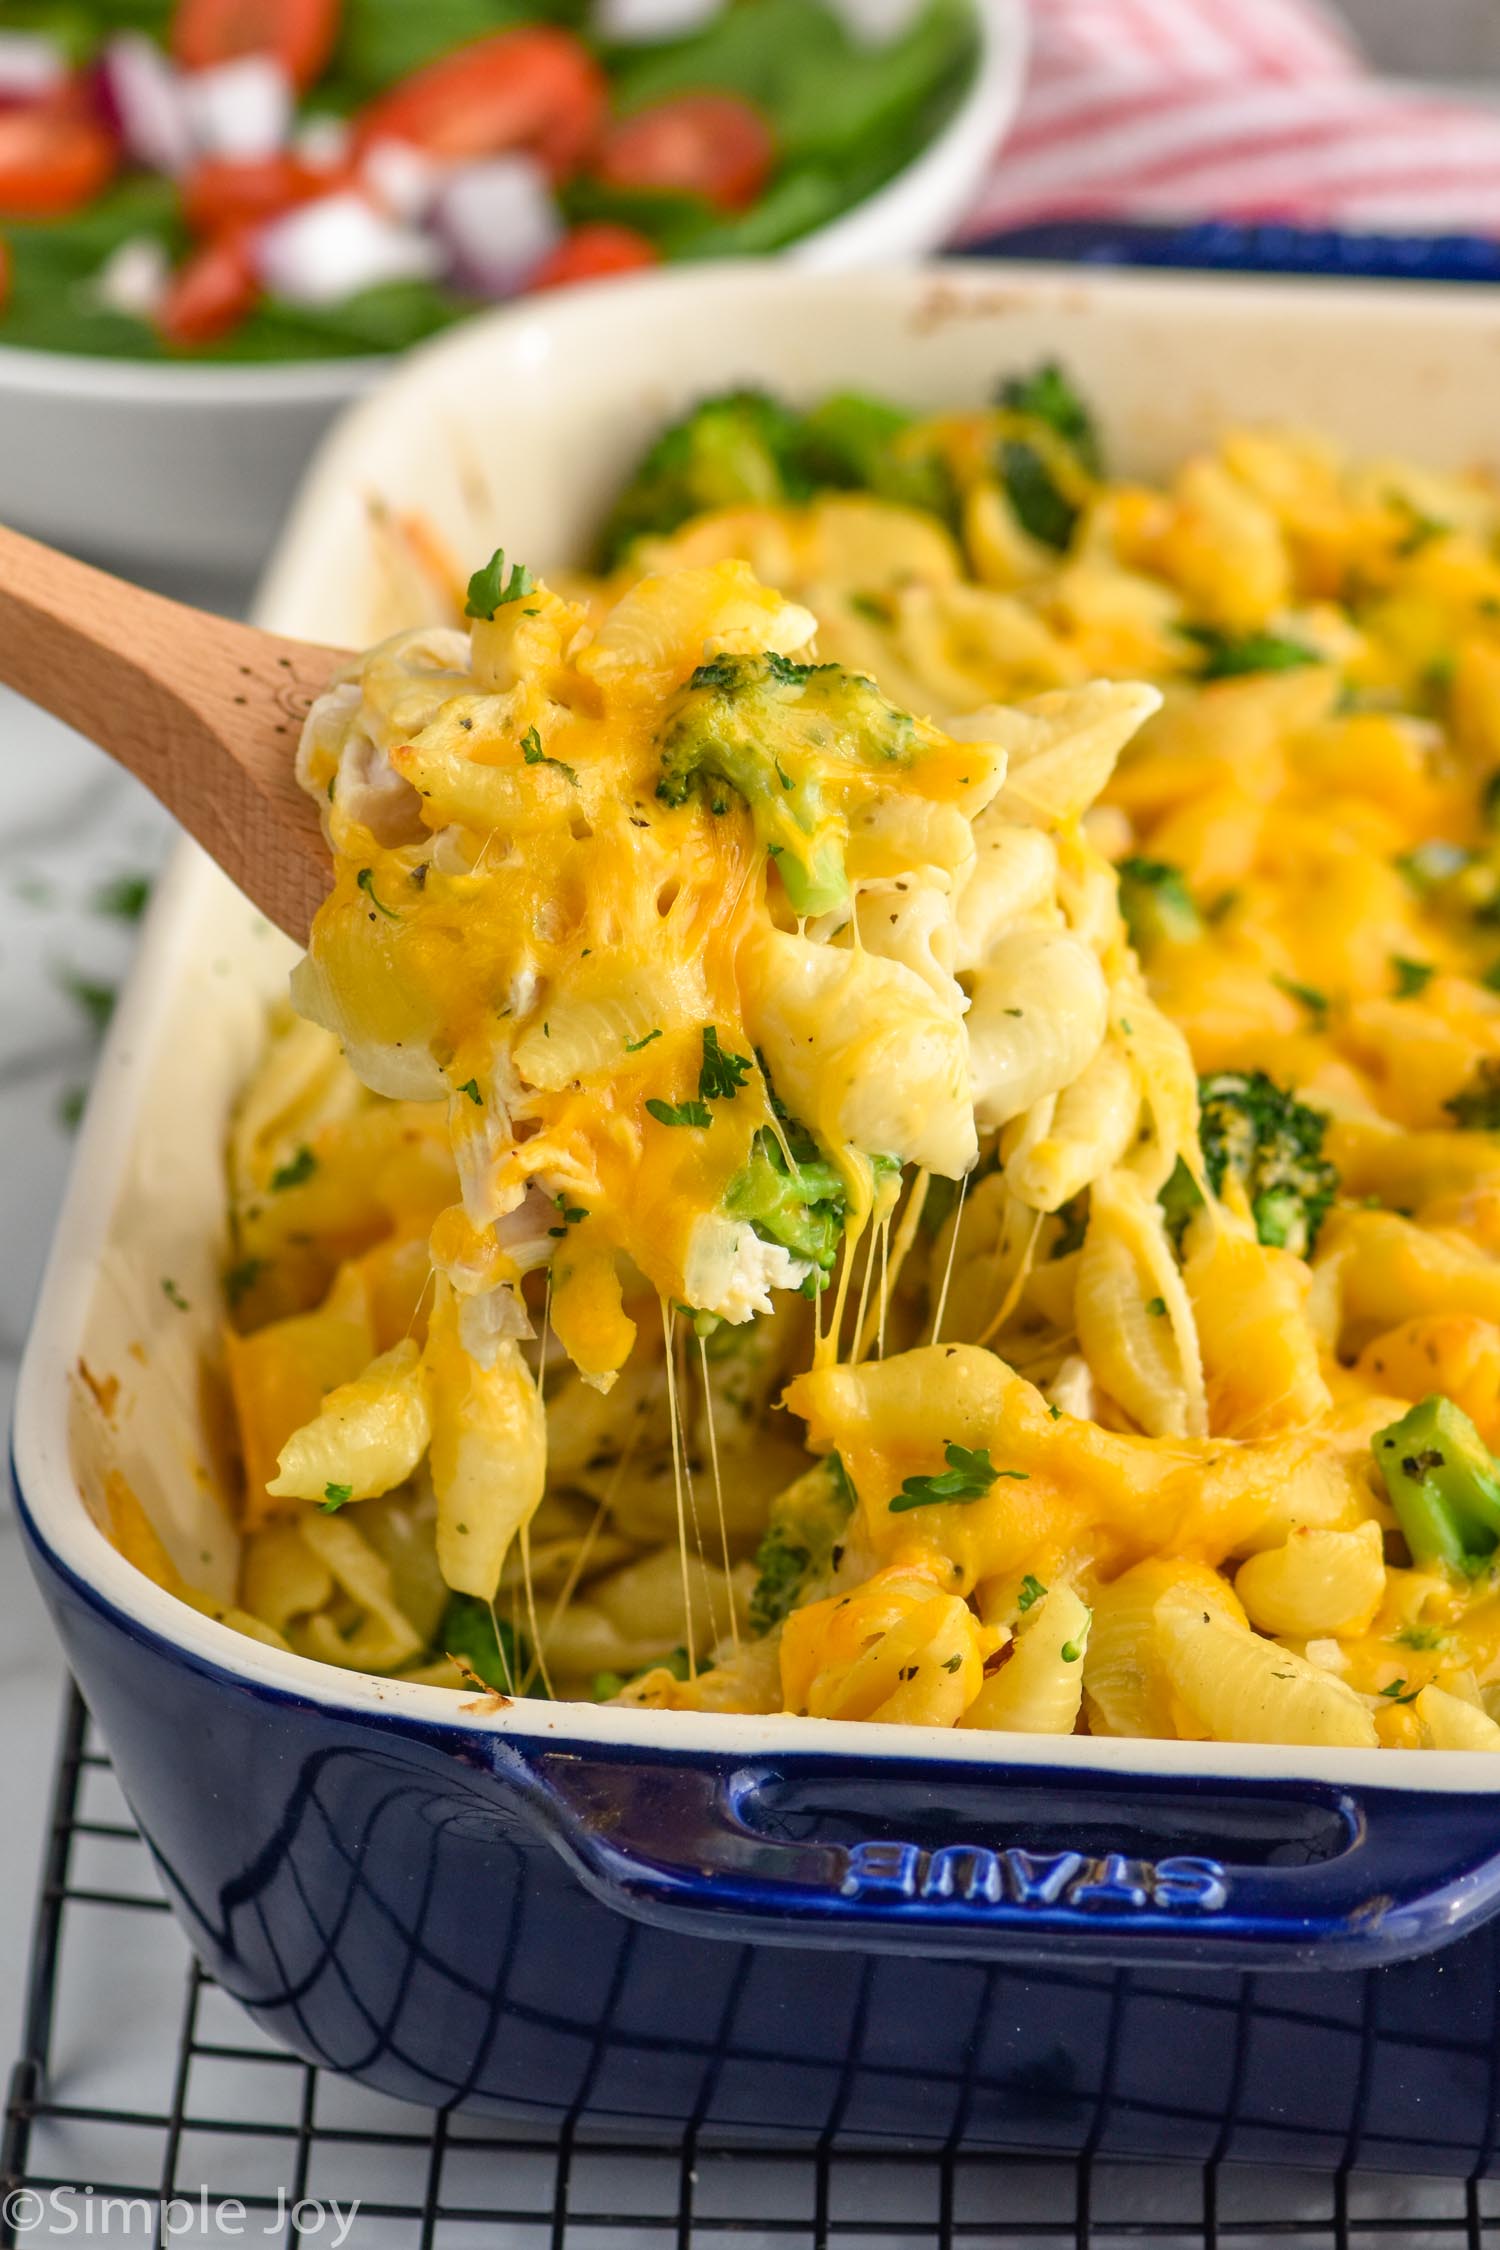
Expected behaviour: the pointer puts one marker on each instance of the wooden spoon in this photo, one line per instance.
(205, 712)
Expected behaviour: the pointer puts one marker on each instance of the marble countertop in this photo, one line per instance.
(79, 842)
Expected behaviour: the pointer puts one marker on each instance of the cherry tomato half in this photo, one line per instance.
(536, 87)
(211, 293)
(299, 34)
(591, 252)
(54, 158)
(224, 192)
(713, 145)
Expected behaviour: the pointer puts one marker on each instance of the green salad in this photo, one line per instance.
(300, 179)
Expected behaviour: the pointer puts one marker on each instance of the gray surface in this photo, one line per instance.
(68, 822)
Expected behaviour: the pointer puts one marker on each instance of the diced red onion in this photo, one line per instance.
(500, 221)
(133, 279)
(31, 65)
(643, 22)
(241, 109)
(326, 251)
(400, 179)
(323, 142)
(143, 91)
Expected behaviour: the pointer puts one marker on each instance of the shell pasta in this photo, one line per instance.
(895, 1113)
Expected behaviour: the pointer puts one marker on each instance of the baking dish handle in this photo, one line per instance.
(981, 1861)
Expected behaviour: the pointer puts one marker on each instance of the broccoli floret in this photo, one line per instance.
(1476, 1108)
(800, 1205)
(1273, 1144)
(741, 447)
(1047, 396)
(1041, 506)
(1228, 656)
(767, 730)
(855, 441)
(798, 1553)
(1157, 904)
(1444, 1485)
(499, 1658)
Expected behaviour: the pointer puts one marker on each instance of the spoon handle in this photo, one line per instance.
(204, 711)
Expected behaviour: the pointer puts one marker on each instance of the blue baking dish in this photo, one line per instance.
(756, 1926)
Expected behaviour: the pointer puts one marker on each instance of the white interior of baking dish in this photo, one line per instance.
(513, 430)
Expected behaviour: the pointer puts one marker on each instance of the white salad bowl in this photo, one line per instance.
(180, 469)
(753, 1923)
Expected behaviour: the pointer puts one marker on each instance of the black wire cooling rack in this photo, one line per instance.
(145, 2106)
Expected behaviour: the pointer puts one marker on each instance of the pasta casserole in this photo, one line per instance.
(893, 1112)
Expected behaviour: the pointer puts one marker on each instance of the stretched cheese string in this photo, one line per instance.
(958, 1223)
(668, 1324)
(526, 1579)
(877, 1238)
(906, 1235)
(713, 1455)
(1012, 1297)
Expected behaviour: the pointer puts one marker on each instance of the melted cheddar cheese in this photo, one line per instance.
(1082, 902)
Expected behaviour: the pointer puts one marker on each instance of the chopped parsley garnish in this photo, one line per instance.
(1307, 996)
(1395, 1693)
(680, 1113)
(968, 1476)
(535, 755)
(1032, 1591)
(296, 1170)
(70, 1106)
(95, 999)
(242, 1278)
(492, 587)
(172, 1293)
(126, 898)
(334, 1497)
(951, 1663)
(1476, 1108)
(1421, 528)
(470, 1087)
(634, 1046)
(1229, 656)
(1412, 977)
(1157, 1307)
(1420, 1636)
(720, 1076)
(1157, 904)
(366, 881)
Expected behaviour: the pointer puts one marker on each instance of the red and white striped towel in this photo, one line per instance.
(1233, 109)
